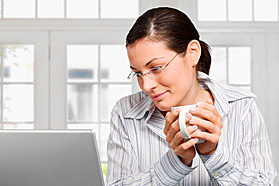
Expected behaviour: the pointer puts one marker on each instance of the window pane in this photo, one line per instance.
(1, 57)
(18, 103)
(239, 65)
(19, 8)
(114, 63)
(104, 138)
(18, 126)
(0, 9)
(240, 10)
(109, 95)
(104, 169)
(18, 63)
(266, 10)
(213, 10)
(82, 8)
(0, 105)
(119, 9)
(82, 62)
(82, 102)
(218, 69)
(50, 8)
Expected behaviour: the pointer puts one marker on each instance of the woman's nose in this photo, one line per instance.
(148, 83)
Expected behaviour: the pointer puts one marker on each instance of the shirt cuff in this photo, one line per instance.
(204, 158)
(220, 163)
(170, 170)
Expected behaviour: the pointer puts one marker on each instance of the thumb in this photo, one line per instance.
(209, 101)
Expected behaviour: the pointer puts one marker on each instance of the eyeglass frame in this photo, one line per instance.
(140, 74)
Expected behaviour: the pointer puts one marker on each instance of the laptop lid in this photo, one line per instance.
(49, 158)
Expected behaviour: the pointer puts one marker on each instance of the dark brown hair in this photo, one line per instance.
(174, 28)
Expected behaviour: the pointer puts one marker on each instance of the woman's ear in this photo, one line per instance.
(193, 52)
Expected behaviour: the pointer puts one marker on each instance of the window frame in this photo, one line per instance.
(41, 66)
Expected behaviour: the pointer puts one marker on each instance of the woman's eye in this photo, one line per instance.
(156, 69)
(137, 74)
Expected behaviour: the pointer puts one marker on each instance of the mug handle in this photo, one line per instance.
(182, 126)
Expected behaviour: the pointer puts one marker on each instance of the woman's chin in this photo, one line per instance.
(163, 107)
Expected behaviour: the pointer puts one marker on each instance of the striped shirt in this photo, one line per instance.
(138, 153)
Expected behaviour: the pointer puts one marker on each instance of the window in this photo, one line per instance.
(24, 80)
(17, 85)
(238, 10)
(18, 9)
(96, 80)
(232, 65)
(50, 8)
(92, 73)
(72, 9)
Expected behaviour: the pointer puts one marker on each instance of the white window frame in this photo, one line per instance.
(41, 70)
(59, 41)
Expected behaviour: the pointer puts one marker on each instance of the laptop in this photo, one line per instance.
(49, 158)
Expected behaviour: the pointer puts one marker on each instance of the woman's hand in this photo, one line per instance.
(211, 121)
(184, 150)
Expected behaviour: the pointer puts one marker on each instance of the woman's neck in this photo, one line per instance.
(196, 94)
(204, 95)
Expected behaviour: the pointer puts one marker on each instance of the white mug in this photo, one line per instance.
(182, 125)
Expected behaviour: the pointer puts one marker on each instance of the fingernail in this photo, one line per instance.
(192, 121)
(167, 114)
(199, 104)
(194, 127)
(174, 112)
(193, 110)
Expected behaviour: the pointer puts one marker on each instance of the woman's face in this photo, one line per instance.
(177, 84)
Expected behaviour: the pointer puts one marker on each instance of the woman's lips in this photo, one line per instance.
(157, 97)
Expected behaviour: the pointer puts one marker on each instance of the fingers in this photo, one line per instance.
(178, 138)
(207, 111)
(180, 150)
(173, 129)
(209, 137)
(174, 137)
(170, 118)
(209, 101)
(210, 127)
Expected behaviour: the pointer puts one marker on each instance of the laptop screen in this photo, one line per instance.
(49, 158)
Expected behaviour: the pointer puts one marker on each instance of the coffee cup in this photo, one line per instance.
(181, 119)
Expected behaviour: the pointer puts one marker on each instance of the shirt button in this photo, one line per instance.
(216, 173)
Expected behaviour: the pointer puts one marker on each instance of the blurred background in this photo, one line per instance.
(64, 64)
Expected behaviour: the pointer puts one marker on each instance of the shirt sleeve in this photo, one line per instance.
(253, 164)
(123, 165)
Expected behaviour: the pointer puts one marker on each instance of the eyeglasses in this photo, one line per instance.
(153, 72)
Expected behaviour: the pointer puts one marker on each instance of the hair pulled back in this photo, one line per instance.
(174, 28)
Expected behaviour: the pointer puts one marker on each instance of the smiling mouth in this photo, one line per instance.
(157, 97)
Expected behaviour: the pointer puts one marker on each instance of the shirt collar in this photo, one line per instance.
(223, 94)
(140, 109)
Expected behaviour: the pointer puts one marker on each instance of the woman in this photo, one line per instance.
(146, 146)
